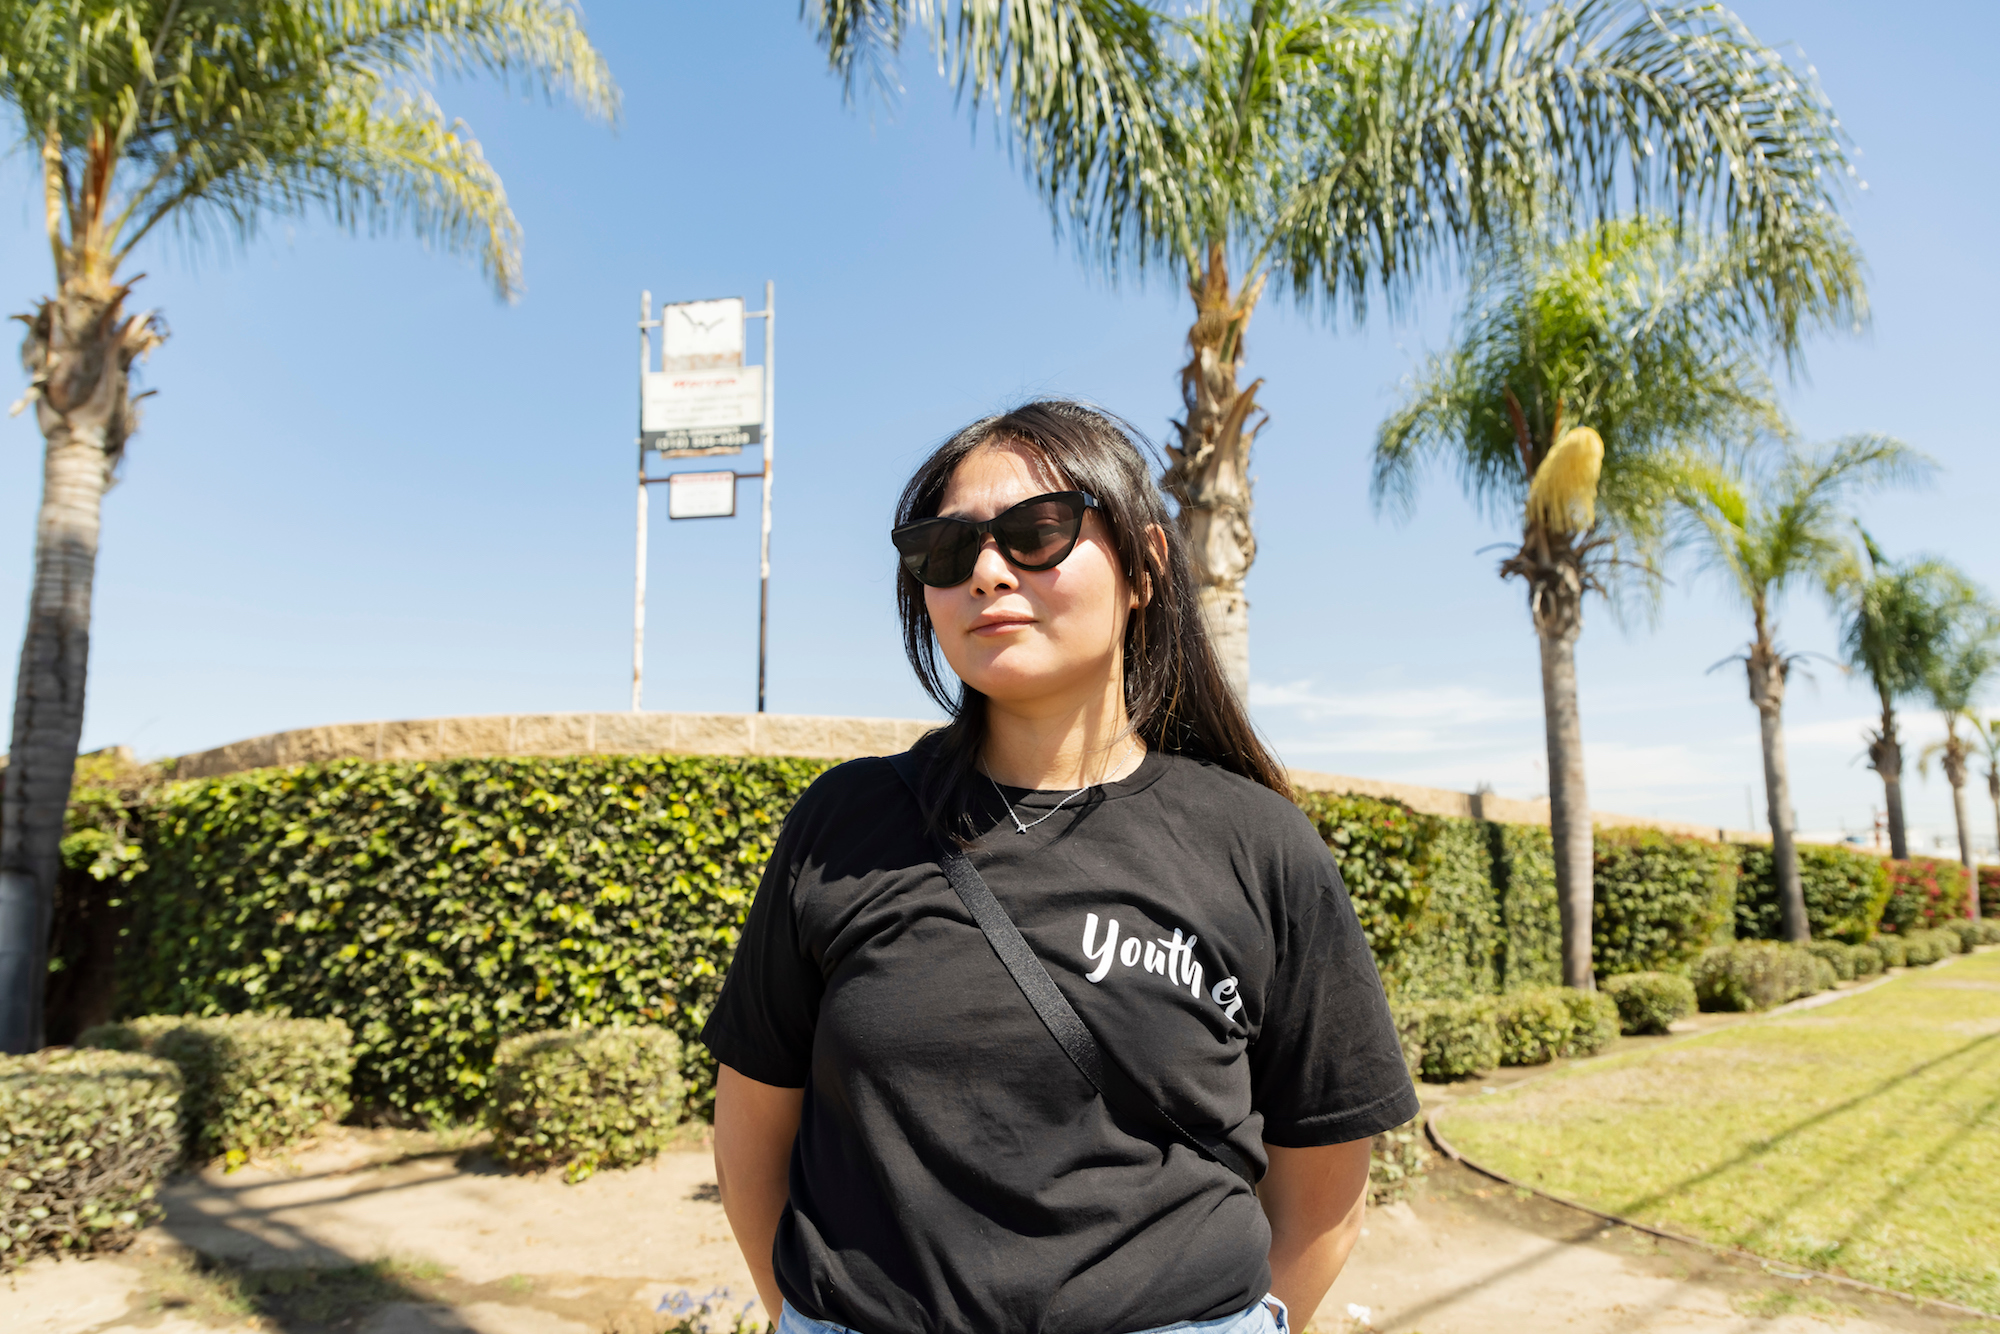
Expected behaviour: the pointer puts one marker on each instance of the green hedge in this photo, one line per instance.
(1845, 891)
(252, 1081)
(585, 1098)
(1989, 891)
(86, 1138)
(1660, 899)
(439, 907)
(1923, 891)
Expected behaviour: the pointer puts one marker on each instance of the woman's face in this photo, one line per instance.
(1021, 637)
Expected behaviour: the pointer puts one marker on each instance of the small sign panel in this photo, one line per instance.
(701, 495)
(702, 335)
(690, 413)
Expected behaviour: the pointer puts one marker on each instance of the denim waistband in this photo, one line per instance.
(1265, 1316)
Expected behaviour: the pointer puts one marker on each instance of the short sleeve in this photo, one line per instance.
(762, 1026)
(1326, 1067)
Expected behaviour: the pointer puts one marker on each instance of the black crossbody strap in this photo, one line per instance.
(1057, 1014)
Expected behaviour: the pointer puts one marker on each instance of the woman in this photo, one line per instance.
(901, 1142)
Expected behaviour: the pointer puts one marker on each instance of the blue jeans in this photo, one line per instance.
(1264, 1317)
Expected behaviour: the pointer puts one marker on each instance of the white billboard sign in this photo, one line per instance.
(687, 413)
(701, 495)
(702, 335)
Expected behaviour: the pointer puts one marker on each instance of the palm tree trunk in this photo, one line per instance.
(1955, 773)
(79, 355)
(1767, 671)
(1208, 475)
(1885, 757)
(1554, 571)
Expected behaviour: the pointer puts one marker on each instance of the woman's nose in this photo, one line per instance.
(991, 573)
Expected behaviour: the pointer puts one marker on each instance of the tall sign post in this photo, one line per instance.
(703, 402)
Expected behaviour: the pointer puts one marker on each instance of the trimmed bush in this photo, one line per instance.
(1867, 959)
(1535, 1026)
(1923, 892)
(585, 1098)
(436, 906)
(1892, 950)
(1755, 975)
(1845, 890)
(1989, 930)
(1660, 899)
(1989, 891)
(1595, 1017)
(1966, 931)
(1458, 1038)
(1921, 949)
(1839, 957)
(86, 1138)
(251, 1081)
(1649, 1002)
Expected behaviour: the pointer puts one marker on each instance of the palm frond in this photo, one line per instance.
(218, 112)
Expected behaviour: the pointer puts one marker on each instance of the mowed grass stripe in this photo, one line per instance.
(1860, 1137)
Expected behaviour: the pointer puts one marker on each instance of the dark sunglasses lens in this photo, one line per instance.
(939, 552)
(1039, 533)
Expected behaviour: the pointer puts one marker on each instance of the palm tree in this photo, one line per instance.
(1956, 678)
(1987, 733)
(1764, 529)
(1895, 618)
(208, 115)
(1583, 374)
(1342, 146)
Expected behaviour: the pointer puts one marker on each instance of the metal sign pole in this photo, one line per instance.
(639, 577)
(764, 551)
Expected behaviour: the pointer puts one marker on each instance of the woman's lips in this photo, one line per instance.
(990, 628)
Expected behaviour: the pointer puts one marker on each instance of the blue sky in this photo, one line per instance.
(366, 489)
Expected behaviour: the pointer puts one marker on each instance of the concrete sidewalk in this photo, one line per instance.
(456, 1247)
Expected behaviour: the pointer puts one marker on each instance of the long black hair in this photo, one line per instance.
(1176, 698)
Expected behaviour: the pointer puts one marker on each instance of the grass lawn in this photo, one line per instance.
(1860, 1137)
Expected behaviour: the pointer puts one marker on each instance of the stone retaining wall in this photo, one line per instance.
(805, 735)
(565, 734)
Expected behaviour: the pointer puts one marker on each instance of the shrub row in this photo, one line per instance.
(1457, 1039)
(437, 908)
(1989, 891)
(250, 1082)
(86, 1138)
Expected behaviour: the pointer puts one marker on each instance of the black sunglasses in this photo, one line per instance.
(1037, 534)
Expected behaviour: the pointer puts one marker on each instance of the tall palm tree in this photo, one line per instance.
(1895, 618)
(1957, 677)
(1343, 146)
(209, 115)
(1583, 374)
(1987, 734)
(1767, 520)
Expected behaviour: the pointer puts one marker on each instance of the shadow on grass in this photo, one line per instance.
(1763, 1146)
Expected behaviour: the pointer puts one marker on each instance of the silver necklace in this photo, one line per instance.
(1020, 828)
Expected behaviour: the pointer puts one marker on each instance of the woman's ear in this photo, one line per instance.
(1156, 542)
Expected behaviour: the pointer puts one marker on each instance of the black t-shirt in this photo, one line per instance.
(953, 1171)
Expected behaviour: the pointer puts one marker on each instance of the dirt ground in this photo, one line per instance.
(382, 1232)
